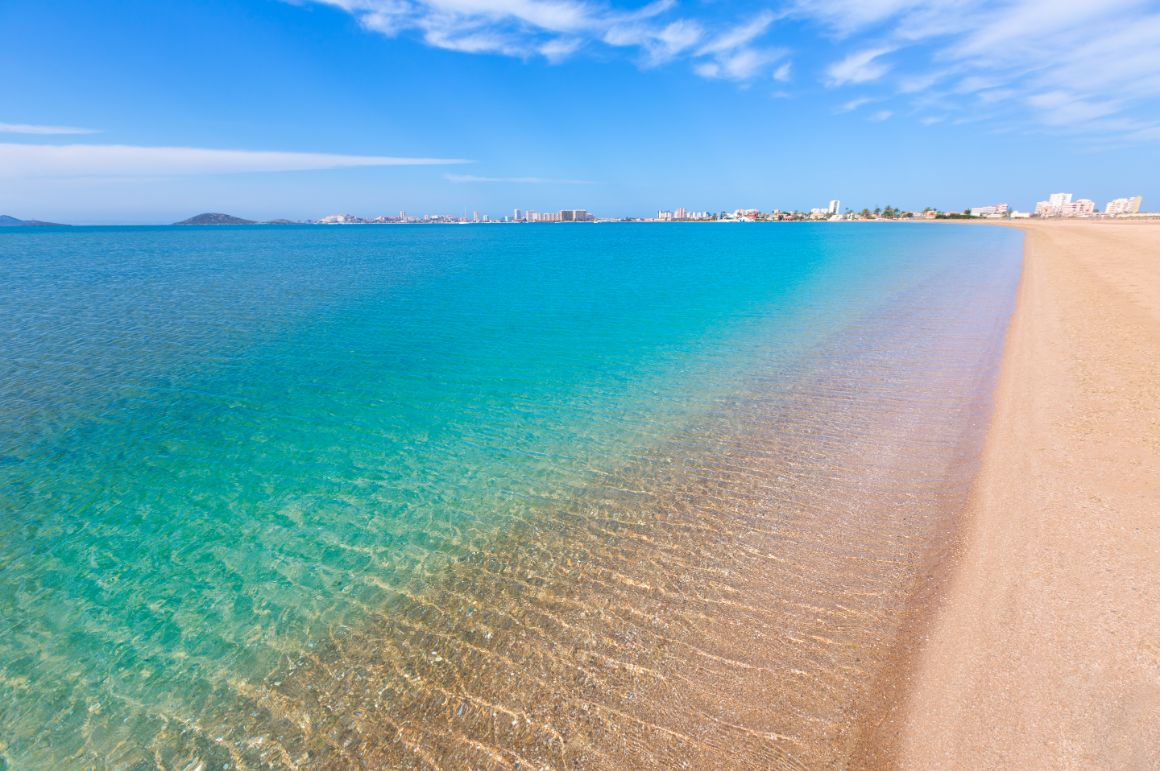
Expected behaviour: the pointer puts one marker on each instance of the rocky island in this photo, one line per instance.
(215, 218)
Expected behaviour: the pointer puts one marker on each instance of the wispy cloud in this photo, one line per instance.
(28, 128)
(845, 17)
(1064, 66)
(35, 161)
(881, 115)
(859, 67)
(854, 104)
(558, 29)
(515, 180)
(733, 54)
(948, 56)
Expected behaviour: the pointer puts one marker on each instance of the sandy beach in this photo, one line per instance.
(1045, 652)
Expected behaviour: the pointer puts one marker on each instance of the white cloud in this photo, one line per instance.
(739, 36)
(944, 56)
(461, 178)
(560, 49)
(28, 128)
(742, 65)
(1062, 108)
(854, 104)
(881, 115)
(1061, 64)
(844, 17)
(558, 29)
(658, 44)
(732, 54)
(34, 161)
(916, 83)
(859, 67)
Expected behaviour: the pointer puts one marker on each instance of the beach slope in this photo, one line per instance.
(1046, 653)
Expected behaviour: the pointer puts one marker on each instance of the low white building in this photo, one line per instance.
(994, 211)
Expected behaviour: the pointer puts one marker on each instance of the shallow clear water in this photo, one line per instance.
(282, 496)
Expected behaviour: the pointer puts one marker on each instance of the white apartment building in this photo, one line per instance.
(1080, 207)
(1118, 206)
(1053, 206)
(835, 207)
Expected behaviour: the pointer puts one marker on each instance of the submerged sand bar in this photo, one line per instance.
(1046, 653)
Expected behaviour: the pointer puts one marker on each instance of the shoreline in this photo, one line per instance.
(1043, 649)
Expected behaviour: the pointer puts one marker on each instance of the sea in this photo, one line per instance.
(597, 495)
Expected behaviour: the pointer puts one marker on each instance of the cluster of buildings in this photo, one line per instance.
(1063, 205)
(563, 215)
(518, 215)
(1056, 205)
(1118, 207)
(682, 215)
(833, 211)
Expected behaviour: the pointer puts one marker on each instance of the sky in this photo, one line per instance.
(139, 111)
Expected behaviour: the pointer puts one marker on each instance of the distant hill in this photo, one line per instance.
(214, 218)
(6, 221)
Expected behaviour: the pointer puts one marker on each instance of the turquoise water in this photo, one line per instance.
(221, 448)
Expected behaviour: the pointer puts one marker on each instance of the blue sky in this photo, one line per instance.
(146, 111)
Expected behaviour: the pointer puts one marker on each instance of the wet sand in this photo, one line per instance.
(1046, 651)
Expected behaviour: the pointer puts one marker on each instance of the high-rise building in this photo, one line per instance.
(835, 207)
(516, 215)
(1120, 206)
(574, 215)
(1054, 205)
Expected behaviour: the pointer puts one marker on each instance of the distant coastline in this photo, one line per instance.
(1118, 210)
(13, 222)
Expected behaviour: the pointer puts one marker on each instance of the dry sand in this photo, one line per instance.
(1046, 651)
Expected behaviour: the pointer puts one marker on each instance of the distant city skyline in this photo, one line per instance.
(140, 112)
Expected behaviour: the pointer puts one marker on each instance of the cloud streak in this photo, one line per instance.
(84, 160)
(859, 67)
(471, 178)
(29, 128)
